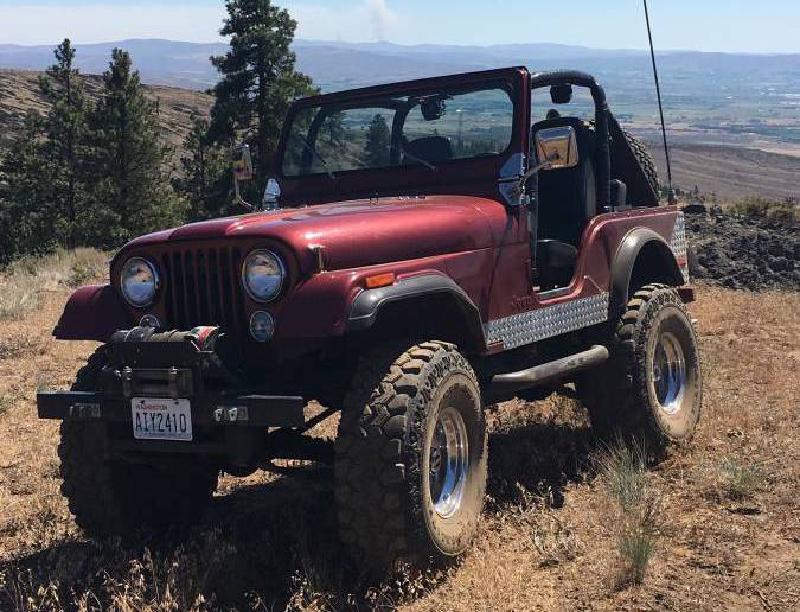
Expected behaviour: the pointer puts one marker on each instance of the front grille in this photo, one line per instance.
(202, 287)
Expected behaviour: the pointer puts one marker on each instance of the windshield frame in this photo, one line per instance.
(380, 96)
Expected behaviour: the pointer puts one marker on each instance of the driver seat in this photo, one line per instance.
(567, 202)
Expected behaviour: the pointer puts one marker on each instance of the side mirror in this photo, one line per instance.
(557, 148)
(242, 163)
(272, 194)
(242, 166)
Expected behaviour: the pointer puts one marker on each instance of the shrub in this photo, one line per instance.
(739, 482)
(784, 212)
(622, 468)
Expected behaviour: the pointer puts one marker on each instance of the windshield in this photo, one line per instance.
(423, 129)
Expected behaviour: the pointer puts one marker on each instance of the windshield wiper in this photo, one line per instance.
(320, 159)
(414, 158)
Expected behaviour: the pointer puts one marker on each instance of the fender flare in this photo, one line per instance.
(93, 312)
(367, 305)
(625, 260)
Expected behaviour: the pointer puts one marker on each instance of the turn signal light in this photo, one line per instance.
(380, 280)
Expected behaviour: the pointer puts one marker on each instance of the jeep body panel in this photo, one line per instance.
(486, 257)
(93, 312)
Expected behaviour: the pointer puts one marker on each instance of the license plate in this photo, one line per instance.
(162, 419)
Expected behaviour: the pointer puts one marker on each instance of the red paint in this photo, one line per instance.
(94, 312)
(460, 228)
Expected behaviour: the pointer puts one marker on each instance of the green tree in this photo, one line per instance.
(258, 81)
(25, 212)
(376, 150)
(131, 192)
(63, 148)
(203, 180)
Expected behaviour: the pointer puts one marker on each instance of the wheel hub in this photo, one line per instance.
(448, 461)
(669, 373)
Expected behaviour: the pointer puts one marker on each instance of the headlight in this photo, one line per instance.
(263, 275)
(139, 282)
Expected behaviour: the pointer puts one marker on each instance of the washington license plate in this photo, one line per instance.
(162, 419)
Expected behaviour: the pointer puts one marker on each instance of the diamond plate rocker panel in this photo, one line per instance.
(548, 322)
(679, 245)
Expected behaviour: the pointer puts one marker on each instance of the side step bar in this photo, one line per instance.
(545, 373)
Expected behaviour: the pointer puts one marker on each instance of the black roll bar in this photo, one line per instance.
(540, 80)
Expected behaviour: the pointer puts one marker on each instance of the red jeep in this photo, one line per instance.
(432, 250)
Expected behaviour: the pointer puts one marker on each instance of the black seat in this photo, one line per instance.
(567, 196)
(431, 149)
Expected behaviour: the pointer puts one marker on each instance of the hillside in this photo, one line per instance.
(19, 95)
(728, 526)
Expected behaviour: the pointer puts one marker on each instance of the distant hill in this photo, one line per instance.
(720, 107)
(710, 98)
(19, 95)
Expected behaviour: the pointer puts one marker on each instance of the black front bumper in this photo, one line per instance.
(192, 366)
(207, 410)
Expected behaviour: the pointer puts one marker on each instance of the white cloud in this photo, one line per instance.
(367, 20)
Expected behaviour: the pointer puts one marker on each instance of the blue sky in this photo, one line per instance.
(713, 25)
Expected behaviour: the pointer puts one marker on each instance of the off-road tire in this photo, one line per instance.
(621, 397)
(632, 163)
(383, 494)
(115, 498)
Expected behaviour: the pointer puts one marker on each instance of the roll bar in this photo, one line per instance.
(540, 80)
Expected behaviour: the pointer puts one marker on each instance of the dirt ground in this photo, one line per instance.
(728, 518)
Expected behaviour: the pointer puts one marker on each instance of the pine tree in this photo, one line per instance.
(376, 150)
(25, 214)
(203, 180)
(258, 81)
(65, 141)
(131, 195)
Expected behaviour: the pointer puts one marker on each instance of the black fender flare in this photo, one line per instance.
(367, 305)
(625, 260)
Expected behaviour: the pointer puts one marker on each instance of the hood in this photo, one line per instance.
(360, 232)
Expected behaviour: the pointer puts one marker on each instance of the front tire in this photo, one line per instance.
(411, 457)
(651, 389)
(110, 498)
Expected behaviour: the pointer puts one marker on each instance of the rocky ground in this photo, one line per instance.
(727, 528)
(744, 252)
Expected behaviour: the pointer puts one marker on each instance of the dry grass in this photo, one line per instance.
(547, 541)
(633, 510)
(22, 283)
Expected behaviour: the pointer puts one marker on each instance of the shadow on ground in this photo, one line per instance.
(274, 546)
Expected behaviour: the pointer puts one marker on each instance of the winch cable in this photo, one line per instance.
(670, 192)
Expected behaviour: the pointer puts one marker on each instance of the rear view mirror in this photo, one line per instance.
(561, 94)
(557, 148)
(242, 163)
(433, 109)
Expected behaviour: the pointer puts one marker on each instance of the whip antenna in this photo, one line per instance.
(670, 191)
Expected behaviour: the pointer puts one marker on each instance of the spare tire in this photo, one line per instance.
(632, 164)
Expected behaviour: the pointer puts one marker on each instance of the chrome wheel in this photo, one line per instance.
(669, 373)
(448, 462)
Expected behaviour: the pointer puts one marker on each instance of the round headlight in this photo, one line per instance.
(139, 282)
(263, 274)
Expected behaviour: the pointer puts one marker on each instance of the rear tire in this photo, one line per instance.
(115, 498)
(410, 457)
(651, 389)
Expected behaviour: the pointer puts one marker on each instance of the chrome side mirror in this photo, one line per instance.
(242, 163)
(272, 194)
(242, 166)
(556, 148)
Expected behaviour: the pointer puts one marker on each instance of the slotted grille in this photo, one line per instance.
(202, 288)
